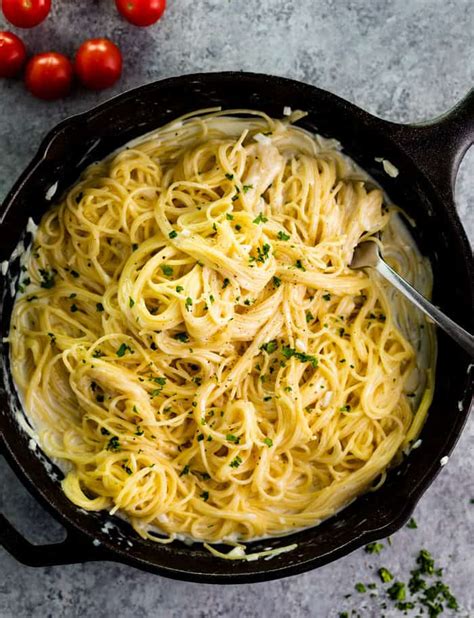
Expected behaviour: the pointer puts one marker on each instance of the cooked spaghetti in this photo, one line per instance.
(192, 347)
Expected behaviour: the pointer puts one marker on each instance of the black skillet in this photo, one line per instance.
(428, 157)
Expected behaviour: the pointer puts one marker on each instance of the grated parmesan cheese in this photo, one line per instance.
(262, 139)
(389, 168)
(51, 191)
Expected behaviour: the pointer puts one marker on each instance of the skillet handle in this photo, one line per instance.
(438, 146)
(72, 550)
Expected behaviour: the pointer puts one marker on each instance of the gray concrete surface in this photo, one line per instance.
(403, 60)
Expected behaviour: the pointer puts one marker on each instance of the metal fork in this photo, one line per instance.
(367, 255)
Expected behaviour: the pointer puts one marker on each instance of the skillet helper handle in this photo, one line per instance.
(70, 551)
(439, 145)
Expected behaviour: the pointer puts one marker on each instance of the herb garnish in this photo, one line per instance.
(167, 270)
(47, 278)
(260, 219)
(235, 463)
(185, 470)
(269, 347)
(122, 349)
(374, 548)
(114, 444)
(301, 356)
(183, 337)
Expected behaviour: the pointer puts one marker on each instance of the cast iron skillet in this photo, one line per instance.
(427, 156)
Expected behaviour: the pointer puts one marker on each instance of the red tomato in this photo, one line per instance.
(49, 76)
(12, 54)
(141, 12)
(25, 13)
(98, 63)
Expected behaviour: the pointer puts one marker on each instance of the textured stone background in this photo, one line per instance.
(403, 60)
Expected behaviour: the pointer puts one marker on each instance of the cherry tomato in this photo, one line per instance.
(12, 54)
(49, 76)
(26, 13)
(98, 63)
(141, 12)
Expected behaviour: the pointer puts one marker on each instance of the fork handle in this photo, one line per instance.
(456, 332)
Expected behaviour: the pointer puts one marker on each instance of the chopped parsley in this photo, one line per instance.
(230, 437)
(229, 217)
(238, 227)
(412, 523)
(229, 176)
(167, 270)
(235, 463)
(225, 283)
(189, 303)
(246, 188)
(397, 592)
(185, 470)
(299, 264)
(301, 356)
(309, 316)
(99, 307)
(74, 273)
(131, 302)
(113, 444)
(269, 347)
(283, 236)
(276, 282)
(327, 296)
(263, 253)
(134, 246)
(260, 219)
(160, 381)
(268, 442)
(183, 337)
(73, 308)
(104, 431)
(205, 496)
(173, 234)
(385, 575)
(122, 349)
(374, 548)
(127, 469)
(179, 288)
(360, 587)
(200, 437)
(47, 278)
